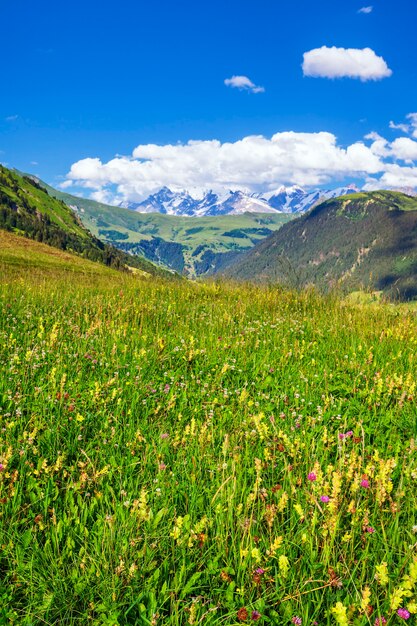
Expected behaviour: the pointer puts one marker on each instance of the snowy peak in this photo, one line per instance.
(292, 199)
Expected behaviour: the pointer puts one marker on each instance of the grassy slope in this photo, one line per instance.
(156, 448)
(223, 234)
(366, 240)
(22, 257)
(27, 209)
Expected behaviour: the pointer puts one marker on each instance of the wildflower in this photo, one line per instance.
(366, 596)
(164, 436)
(380, 621)
(365, 483)
(412, 607)
(256, 615)
(1, 467)
(340, 614)
(311, 477)
(324, 498)
(242, 614)
(255, 554)
(162, 466)
(403, 613)
(296, 620)
(370, 529)
(382, 574)
(284, 565)
(260, 571)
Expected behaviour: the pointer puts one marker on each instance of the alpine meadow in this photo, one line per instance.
(179, 453)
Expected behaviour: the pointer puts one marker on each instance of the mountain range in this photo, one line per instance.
(288, 200)
(366, 241)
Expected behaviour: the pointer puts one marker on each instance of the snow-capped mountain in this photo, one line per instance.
(282, 200)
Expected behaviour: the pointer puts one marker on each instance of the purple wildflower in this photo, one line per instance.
(256, 615)
(403, 613)
(296, 620)
(324, 498)
(311, 476)
(365, 483)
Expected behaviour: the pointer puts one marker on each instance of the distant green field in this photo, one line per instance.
(187, 244)
(189, 453)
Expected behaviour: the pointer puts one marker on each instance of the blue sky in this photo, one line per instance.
(91, 80)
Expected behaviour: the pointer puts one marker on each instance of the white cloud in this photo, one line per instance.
(335, 62)
(254, 163)
(380, 146)
(402, 127)
(413, 122)
(243, 82)
(11, 118)
(405, 149)
(366, 10)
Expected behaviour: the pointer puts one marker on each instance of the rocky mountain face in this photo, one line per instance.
(282, 200)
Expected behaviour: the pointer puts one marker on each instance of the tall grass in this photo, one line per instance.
(179, 454)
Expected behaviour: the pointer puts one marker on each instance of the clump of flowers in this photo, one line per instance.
(296, 620)
(340, 614)
(311, 476)
(403, 613)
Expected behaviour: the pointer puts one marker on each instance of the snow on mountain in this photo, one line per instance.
(282, 200)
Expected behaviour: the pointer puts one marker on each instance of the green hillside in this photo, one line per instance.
(363, 241)
(194, 246)
(26, 208)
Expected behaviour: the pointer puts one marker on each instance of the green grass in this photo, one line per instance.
(156, 445)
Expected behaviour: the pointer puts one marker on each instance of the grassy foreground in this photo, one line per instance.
(200, 454)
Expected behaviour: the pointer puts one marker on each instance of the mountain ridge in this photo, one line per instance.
(281, 200)
(364, 241)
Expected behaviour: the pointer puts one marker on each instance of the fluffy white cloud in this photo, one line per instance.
(335, 62)
(395, 177)
(254, 163)
(380, 146)
(243, 82)
(404, 148)
(366, 10)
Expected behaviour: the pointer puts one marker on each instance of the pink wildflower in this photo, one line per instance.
(1, 467)
(296, 620)
(370, 529)
(311, 476)
(164, 436)
(403, 613)
(380, 621)
(324, 498)
(256, 615)
(365, 483)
